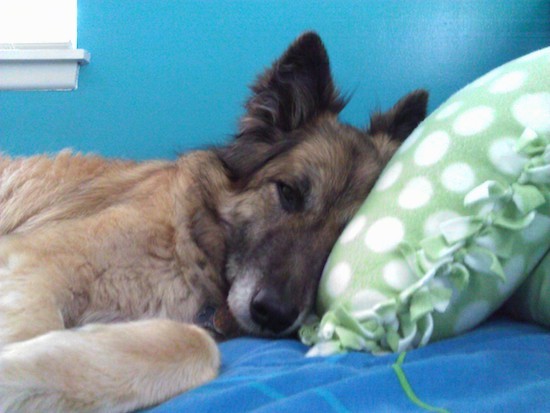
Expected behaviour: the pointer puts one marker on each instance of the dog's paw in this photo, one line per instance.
(106, 368)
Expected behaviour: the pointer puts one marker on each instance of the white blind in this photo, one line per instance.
(38, 23)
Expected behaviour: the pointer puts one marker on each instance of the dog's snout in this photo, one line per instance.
(270, 311)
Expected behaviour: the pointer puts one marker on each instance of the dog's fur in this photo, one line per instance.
(105, 264)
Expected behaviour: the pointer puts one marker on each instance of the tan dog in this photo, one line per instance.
(90, 246)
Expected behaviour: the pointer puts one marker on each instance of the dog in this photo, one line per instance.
(116, 277)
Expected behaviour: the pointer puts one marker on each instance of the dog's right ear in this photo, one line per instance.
(297, 88)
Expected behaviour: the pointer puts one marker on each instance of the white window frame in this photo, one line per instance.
(40, 66)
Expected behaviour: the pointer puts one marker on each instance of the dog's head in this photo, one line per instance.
(299, 176)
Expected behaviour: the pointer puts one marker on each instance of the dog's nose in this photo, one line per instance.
(270, 311)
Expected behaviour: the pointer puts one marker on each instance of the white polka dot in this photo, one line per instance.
(353, 229)
(411, 140)
(385, 234)
(456, 228)
(389, 176)
(431, 226)
(533, 111)
(366, 299)
(474, 120)
(538, 230)
(448, 110)
(487, 78)
(416, 193)
(432, 149)
(398, 275)
(458, 177)
(338, 279)
(513, 270)
(503, 157)
(508, 82)
(473, 314)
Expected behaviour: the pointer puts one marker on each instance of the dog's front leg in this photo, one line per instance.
(105, 368)
(97, 368)
(29, 303)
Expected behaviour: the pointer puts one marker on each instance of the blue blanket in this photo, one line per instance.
(502, 366)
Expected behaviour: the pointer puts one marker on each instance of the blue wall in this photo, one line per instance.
(167, 76)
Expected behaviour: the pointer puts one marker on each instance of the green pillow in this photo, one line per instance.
(457, 220)
(531, 301)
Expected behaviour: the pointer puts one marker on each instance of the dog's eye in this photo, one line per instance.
(290, 198)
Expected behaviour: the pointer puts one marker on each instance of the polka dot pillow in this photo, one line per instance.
(531, 301)
(458, 219)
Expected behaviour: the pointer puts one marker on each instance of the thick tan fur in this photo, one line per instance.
(86, 240)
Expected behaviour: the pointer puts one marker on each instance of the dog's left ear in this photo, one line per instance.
(294, 90)
(403, 118)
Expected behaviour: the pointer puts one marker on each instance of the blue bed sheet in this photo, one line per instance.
(502, 366)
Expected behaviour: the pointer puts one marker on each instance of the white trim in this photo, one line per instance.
(41, 69)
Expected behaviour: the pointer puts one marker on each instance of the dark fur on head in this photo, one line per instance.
(297, 88)
(299, 177)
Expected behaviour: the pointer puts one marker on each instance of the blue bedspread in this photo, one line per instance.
(502, 366)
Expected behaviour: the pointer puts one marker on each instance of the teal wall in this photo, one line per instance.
(167, 76)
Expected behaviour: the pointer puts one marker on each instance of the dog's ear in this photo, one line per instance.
(294, 90)
(403, 118)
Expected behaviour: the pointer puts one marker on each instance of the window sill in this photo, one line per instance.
(41, 69)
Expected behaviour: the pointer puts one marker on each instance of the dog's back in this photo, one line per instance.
(41, 189)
